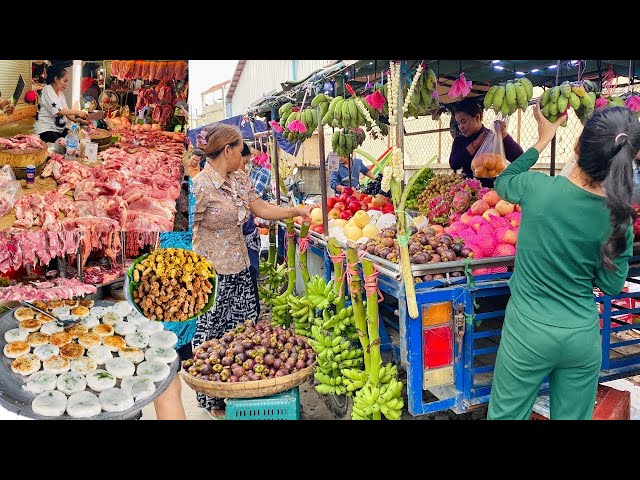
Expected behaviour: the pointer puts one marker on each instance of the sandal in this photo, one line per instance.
(212, 416)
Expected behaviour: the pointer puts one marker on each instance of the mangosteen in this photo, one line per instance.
(202, 355)
(435, 258)
(272, 372)
(277, 363)
(243, 378)
(433, 242)
(415, 248)
(226, 361)
(280, 373)
(260, 326)
(457, 248)
(438, 276)
(187, 363)
(259, 359)
(293, 354)
(254, 377)
(237, 370)
(448, 255)
(248, 364)
(385, 252)
(269, 359)
(240, 328)
(261, 350)
(371, 249)
(310, 362)
(259, 368)
(440, 249)
(284, 355)
(228, 338)
(282, 338)
(430, 232)
(265, 342)
(241, 357)
(205, 377)
(210, 350)
(300, 364)
(252, 353)
(256, 339)
(224, 375)
(387, 242)
(288, 346)
(466, 252)
(247, 344)
(413, 229)
(420, 258)
(193, 371)
(290, 363)
(285, 369)
(206, 370)
(280, 346)
(456, 274)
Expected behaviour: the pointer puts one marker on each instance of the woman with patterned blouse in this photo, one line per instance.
(224, 199)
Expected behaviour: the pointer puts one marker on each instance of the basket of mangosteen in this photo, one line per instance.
(252, 360)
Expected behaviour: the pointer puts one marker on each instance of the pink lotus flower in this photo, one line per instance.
(297, 126)
(461, 87)
(633, 103)
(376, 100)
(601, 102)
(276, 126)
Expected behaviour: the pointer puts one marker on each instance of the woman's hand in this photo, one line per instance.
(502, 127)
(304, 210)
(82, 113)
(546, 129)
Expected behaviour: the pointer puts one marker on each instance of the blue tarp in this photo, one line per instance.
(247, 132)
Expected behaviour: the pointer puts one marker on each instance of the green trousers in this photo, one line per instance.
(529, 351)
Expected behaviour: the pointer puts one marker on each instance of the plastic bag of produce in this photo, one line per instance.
(9, 189)
(490, 161)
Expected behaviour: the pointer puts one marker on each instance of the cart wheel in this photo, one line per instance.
(338, 404)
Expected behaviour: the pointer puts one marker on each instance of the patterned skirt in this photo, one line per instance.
(236, 303)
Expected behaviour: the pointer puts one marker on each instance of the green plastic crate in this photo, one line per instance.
(281, 406)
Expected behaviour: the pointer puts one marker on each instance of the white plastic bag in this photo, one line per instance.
(9, 189)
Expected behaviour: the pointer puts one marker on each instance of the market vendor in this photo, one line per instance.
(53, 112)
(573, 237)
(224, 199)
(468, 116)
(340, 179)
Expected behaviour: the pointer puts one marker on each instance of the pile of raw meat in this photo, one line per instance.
(99, 275)
(22, 142)
(19, 247)
(148, 71)
(9, 189)
(57, 289)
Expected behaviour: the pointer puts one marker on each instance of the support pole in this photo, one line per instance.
(323, 174)
(553, 157)
(276, 163)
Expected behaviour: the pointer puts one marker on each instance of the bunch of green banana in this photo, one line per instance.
(334, 353)
(320, 293)
(581, 96)
(307, 116)
(275, 279)
(509, 96)
(355, 379)
(280, 311)
(344, 113)
(301, 311)
(345, 142)
(385, 398)
(422, 101)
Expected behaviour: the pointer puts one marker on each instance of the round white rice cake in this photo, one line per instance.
(71, 382)
(120, 367)
(111, 318)
(89, 321)
(163, 339)
(100, 354)
(61, 311)
(138, 387)
(160, 354)
(45, 351)
(56, 364)
(137, 340)
(100, 380)
(15, 349)
(41, 382)
(131, 353)
(50, 404)
(83, 365)
(51, 328)
(83, 405)
(98, 312)
(18, 335)
(26, 364)
(115, 400)
(124, 328)
(122, 308)
(150, 327)
(137, 319)
(154, 371)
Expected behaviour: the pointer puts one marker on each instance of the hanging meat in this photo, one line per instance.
(114, 68)
(181, 71)
(131, 67)
(157, 113)
(137, 71)
(147, 97)
(145, 71)
(161, 73)
(153, 68)
(171, 68)
(165, 115)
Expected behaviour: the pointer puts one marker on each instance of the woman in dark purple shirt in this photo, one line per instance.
(468, 115)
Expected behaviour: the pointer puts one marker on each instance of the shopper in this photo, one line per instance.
(468, 116)
(250, 230)
(224, 199)
(260, 173)
(52, 114)
(340, 178)
(551, 327)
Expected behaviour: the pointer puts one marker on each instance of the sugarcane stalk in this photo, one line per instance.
(291, 258)
(374, 331)
(304, 270)
(355, 288)
(338, 268)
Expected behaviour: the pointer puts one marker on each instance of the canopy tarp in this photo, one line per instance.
(248, 128)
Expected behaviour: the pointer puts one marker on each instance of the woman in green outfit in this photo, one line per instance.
(573, 237)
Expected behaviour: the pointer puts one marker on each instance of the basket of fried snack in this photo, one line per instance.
(171, 285)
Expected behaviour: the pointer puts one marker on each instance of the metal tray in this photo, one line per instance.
(16, 399)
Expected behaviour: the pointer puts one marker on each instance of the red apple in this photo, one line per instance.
(387, 208)
(343, 197)
(364, 206)
(318, 228)
(340, 206)
(346, 215)
(366, 199)
(331, 201)
(373, 206)
(354, 206)
(334, 213)
(357, 195)
(347, 190)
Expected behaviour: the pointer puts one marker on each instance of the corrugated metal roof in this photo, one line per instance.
(215, 87)
(236, 77)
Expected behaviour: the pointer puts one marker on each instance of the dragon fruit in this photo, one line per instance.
(461, 201)
(439, 210)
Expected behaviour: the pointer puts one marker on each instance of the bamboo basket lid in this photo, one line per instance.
(22, 158)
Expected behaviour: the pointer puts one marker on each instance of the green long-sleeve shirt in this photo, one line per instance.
(562, 230)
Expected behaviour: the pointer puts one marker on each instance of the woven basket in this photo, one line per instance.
(22, 158)
(254, 389)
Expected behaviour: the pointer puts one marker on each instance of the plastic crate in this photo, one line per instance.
(282, 406)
